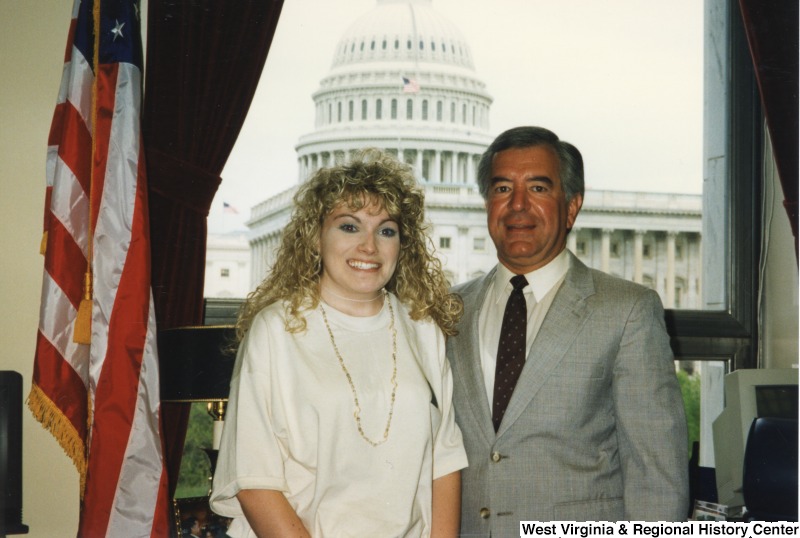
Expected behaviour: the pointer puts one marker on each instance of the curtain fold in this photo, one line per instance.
(204, 61)
(772, 35)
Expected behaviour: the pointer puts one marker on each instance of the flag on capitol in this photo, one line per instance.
(95, 379)
(410, 85)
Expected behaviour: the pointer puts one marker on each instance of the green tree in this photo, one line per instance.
(690, 390)
(195, 467)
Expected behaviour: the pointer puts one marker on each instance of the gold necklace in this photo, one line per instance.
(357, 411)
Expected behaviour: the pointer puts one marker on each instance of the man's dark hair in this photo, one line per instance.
(569, 158)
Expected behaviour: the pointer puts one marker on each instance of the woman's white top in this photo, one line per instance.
(290, 424)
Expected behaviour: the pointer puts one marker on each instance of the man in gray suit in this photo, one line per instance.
(588, 423)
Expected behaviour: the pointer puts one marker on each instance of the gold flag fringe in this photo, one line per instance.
(54, 421)
(43, 245)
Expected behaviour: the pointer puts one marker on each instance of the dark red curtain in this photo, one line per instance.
(772, 34)
(204, 61)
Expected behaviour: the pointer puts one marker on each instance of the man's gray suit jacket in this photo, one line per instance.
(595, 429)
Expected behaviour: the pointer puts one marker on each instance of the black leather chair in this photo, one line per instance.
(769, 484)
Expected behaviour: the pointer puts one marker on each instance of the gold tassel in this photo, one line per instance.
(43, 246)
(83, 322)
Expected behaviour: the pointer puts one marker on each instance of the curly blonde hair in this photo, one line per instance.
(372, 177)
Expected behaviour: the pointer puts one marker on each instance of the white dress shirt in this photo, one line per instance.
(543, 283)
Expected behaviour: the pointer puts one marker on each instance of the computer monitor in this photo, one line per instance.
(749, 394)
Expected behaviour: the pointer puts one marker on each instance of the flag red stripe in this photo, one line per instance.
(76, 138)
(65, 262)
(56, 126)
(70, 40)
(61, 383)
(161, 523)
(48, 193)
(105, 102)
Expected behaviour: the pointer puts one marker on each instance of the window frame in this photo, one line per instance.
(731, 335)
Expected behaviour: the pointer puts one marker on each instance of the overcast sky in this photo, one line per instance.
(621, 79)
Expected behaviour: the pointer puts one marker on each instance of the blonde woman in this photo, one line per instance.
(340, 420)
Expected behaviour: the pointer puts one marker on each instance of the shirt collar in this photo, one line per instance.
(540, 281)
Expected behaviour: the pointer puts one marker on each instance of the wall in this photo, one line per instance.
(779, 317)
(32, 37)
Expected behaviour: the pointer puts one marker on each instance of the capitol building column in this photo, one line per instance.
(638, 248)
(605, 250)
(471, 169)
(670, 291)
(463, 253)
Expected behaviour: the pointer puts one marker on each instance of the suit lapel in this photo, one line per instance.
(467, 364)
(563, 322)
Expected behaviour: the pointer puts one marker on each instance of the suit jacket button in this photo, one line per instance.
(485, 513)
(496, 457)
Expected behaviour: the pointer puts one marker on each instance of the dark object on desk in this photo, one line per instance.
(702, 480)
(196, 363)
(11, 454)
(770, 470)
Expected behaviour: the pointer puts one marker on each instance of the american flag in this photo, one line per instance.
(97, 389)
(228, 208)
(410, 85)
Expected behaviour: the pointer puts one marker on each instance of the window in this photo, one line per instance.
(726, 332)
(425, 109)
(444, 243)
(350, 111)
(464, 113)
(438, 111)
(479, 244)
(378, 109)
(363, 109)
(224, 272)
(409, 109)
(339, 111)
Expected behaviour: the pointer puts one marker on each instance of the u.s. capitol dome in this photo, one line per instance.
(437, 120)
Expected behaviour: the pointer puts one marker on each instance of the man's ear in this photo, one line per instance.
(573, 208)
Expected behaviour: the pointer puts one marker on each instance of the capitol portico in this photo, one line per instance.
(402, 79)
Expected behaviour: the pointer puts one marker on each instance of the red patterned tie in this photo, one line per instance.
(511, 350)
